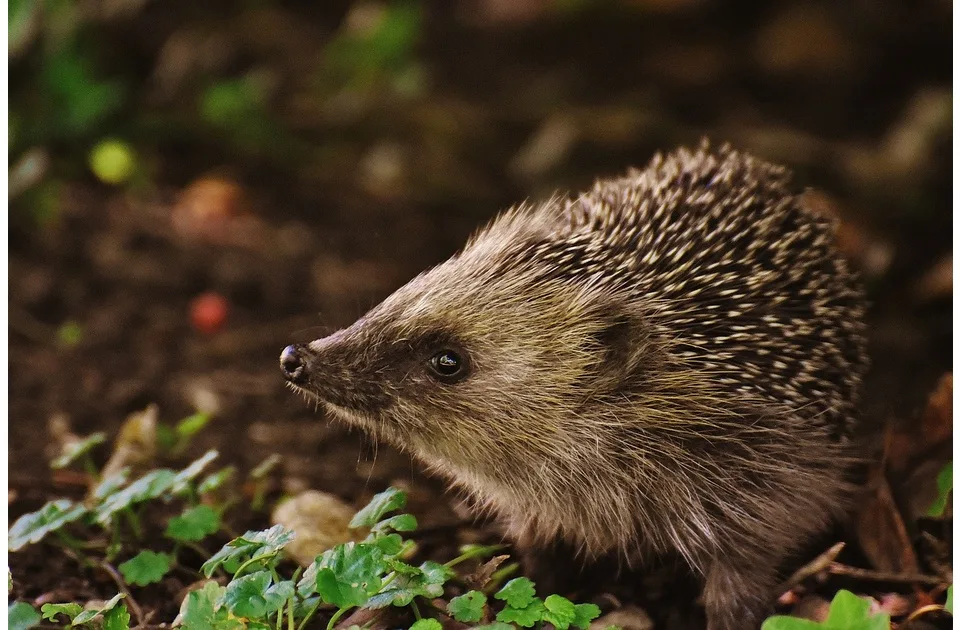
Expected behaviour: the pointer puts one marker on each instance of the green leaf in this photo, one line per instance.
(280, 593)
(184, 477)
(22, 26)
(584, 614)
(253, 543)
(194, 524)
(560, 611)
(215, 480)
(849, 611)
(246, 596)
(496, 625)
(225, 103)
(191, 425)
(426, 624)
(387, 501)
(117, 618)
(32, 527)
(255, 597)
(435, 575)
(85, 617)
(21, 616)
(426, 580)
(92, 613)
(75, 450)
(944, 488)
(111, 484)
(155, 483)
(50, 611)
(147, 567)
(467, 607)
(77, 101)
(949, 603)
(201, 610)
(307, 586)
(166, 437)
(526, 616)
(782, 622)
(518, 592)
(349, 574)
(112, 602)
(390, 544)
(399, 523)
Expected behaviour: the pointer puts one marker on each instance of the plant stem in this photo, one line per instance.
(416, 609)
(303, 624)
(200, 551)
(472, 553)
(336, 617)
(265, 556)
(91, 469)
(134, 606)
(134, 522)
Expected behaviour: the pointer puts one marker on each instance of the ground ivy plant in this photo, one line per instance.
(369, 574)
(250, 583)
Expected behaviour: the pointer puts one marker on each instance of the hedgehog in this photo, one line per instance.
(669, 363)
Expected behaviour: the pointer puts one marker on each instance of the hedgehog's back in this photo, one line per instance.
(733, 268)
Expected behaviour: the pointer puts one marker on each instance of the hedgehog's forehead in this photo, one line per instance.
(462, 289)
(491, 297)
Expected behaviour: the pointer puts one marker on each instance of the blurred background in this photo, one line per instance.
(195, 185)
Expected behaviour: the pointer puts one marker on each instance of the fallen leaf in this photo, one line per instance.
(136, 443)
(320, 520)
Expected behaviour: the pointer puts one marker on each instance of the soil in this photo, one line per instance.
(327, 243)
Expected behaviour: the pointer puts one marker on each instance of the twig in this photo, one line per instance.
(818, 564)
(134, 606)
(836, 568)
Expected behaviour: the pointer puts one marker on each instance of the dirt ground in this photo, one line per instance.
(516, 106)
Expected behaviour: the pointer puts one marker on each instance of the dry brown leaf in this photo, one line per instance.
(136, 443)
(479, 578)
(321, 521)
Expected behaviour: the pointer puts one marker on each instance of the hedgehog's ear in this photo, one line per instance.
(622, 345)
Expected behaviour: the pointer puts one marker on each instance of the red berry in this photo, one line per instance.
(208, 312)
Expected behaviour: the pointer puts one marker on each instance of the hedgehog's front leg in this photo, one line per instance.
(737, 597)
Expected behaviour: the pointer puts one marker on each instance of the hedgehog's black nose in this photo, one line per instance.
(291, 362)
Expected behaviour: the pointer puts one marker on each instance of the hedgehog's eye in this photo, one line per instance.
(448, 366)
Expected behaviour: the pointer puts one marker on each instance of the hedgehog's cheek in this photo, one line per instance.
(621, 349)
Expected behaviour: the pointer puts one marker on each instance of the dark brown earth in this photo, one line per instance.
(856, 99)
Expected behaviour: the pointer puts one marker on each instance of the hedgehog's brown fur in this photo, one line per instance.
(670, 362)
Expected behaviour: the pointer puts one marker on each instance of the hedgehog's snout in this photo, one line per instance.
(293, 364)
